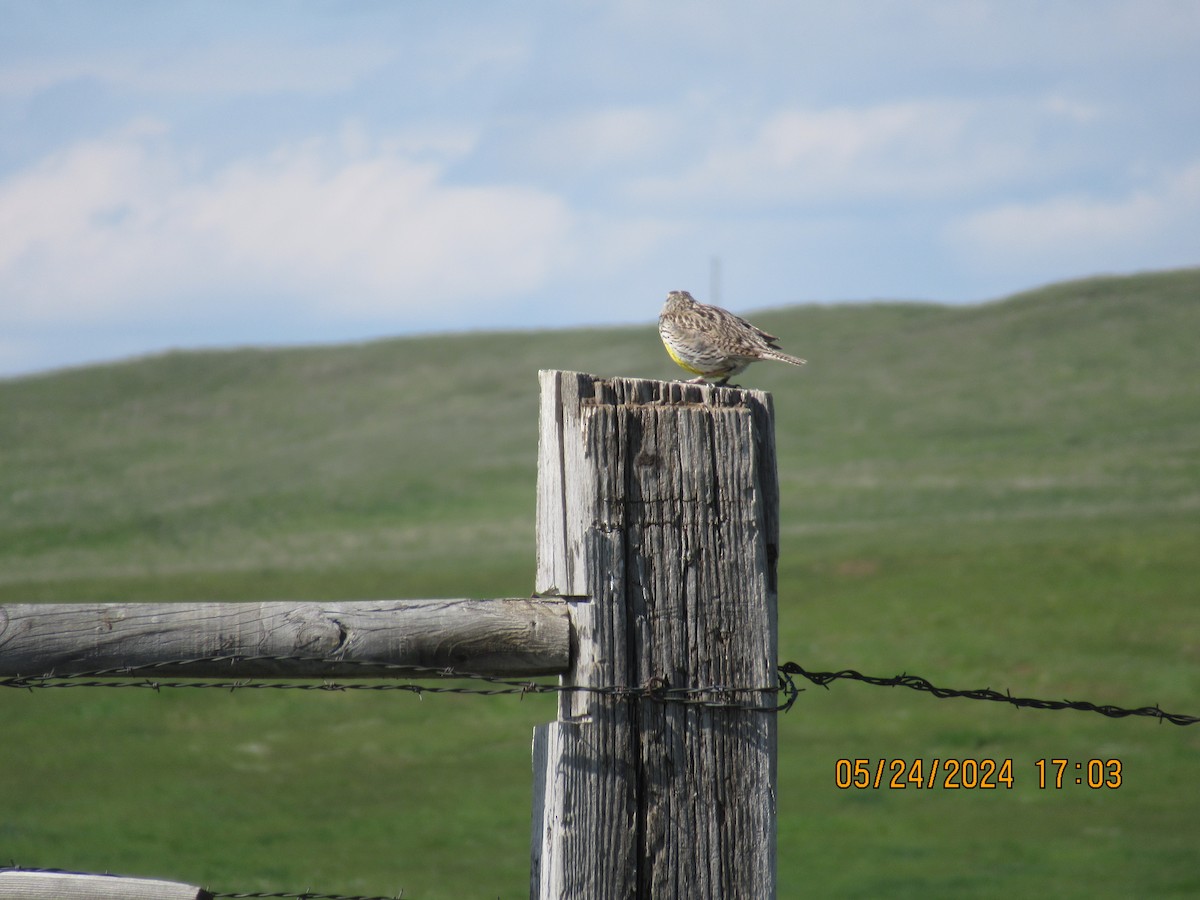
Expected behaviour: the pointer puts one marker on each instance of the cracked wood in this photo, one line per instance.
(489, 637)
(658, 513)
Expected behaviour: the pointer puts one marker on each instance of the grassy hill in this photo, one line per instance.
(1004, 495)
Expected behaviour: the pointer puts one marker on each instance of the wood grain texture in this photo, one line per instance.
(59, 886)
(491, 637)
(658, 518)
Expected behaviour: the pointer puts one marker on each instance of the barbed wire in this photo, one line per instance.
(920, 684)
(748, 699)
(656, 689)
(304, 895)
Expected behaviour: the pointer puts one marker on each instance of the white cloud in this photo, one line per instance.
(229, 67)
(352, 227)
(607, 138)
(917, 150)
(1072, 109)
(1154, 226)
(236, 67)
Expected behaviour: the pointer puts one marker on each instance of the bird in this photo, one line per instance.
(712, 343)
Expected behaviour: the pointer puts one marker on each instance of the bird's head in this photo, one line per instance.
(678, 300)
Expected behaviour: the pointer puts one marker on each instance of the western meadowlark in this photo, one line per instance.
(712, 342)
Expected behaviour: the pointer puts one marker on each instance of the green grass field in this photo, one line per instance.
(1004, 495)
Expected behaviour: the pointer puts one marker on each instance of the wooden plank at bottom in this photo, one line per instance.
(17, 885)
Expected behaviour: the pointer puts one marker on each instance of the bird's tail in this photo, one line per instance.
(783, 357)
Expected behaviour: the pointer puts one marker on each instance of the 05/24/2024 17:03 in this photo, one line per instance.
(972, 774)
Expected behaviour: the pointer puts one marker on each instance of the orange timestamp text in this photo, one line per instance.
(944, 774)
(970, 774)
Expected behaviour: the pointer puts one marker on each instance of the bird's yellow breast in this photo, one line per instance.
(683, 365)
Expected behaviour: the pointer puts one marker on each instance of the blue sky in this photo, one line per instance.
(188, 174)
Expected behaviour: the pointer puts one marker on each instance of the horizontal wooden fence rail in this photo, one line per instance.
(485, 637)
(15, 885)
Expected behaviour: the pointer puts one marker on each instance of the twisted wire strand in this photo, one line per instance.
(777, 698)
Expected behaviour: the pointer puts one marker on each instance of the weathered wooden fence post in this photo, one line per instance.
(658, 519)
